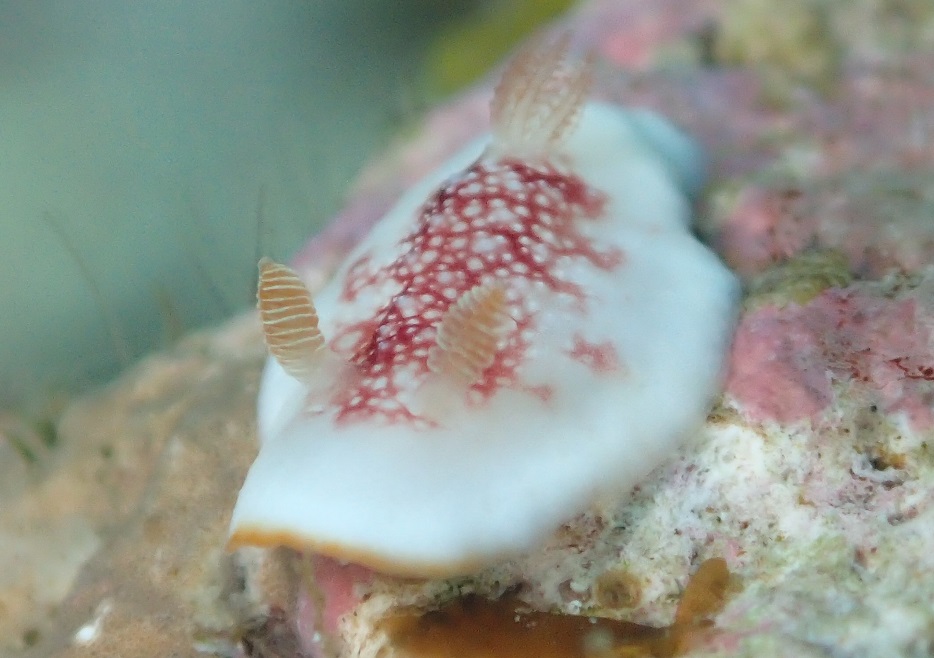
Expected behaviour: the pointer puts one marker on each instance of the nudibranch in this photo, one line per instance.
(531, 327)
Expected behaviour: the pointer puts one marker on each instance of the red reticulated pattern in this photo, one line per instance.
(508, 220)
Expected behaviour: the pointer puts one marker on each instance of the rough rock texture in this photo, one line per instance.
(813, 477)
(137, 490)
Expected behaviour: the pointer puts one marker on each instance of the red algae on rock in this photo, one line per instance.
(877, 220)
(871, 341)
(760, 230)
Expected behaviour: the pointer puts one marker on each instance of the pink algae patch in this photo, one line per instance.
(878, 221)
(631, 34)
(777, 369)
(786, 361)
(762, 229)
(319, 612)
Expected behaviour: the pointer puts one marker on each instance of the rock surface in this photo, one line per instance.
(814, 476)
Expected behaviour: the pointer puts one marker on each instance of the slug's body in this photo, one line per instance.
(533, 325)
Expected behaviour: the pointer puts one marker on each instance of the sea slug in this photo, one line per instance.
(530, 328)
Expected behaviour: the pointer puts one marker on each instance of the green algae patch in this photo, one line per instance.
(468, 49)
(799, 280)
(791, 44)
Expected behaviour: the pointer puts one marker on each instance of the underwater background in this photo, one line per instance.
(150, 152)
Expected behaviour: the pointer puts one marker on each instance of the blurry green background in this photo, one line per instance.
(149, 151)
